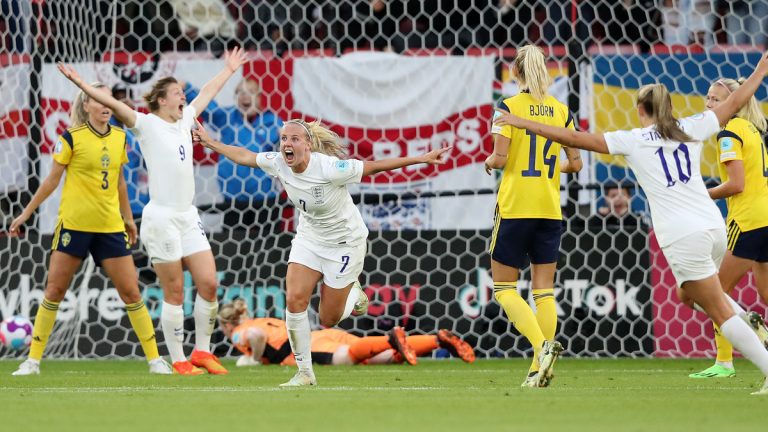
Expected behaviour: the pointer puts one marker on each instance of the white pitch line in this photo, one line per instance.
(206, 389)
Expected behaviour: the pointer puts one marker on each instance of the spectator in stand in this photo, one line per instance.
(207, 23)
(248, 194)
(702, 22)
(674, 25)
(617, 210)
(746, 21)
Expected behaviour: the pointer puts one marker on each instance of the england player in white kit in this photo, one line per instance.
(665, 155)
(330, 242)
(171, 229)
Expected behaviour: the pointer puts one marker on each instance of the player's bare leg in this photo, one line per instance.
(171, 277)
(300, 283)
(123, 274)
(61, 270)
(202, 267)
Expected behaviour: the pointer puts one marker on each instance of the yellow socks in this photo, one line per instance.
(724, 348)
(546, 311)
(521, 315)
(44, 321)
(142, 325)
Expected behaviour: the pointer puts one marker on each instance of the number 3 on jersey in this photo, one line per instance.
(549, 161)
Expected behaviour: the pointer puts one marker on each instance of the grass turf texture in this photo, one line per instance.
(587, 394)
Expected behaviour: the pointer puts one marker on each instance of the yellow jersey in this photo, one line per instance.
(89, 200)
(530, 184)
(740, 140)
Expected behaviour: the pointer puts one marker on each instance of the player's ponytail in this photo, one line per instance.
(233, 313)
(530, 69)
(77, 113)
(751, 111)
(657, 103)
(158, 90)
(322, 139)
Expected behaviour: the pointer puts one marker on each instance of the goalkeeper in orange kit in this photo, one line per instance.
(264, 341)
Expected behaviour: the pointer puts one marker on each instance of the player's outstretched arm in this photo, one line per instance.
(738, 98)
(125, 209)
(564, 136)
(734, 184)
(572, 162)
(43, 192)
(123, 112)
(435, 157)
(238, 155)
(257, 339)
(232, 62)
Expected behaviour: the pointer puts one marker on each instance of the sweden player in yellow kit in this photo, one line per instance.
(528, 219)
(743, 170)
(94, 217)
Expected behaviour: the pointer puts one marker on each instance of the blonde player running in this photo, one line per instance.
(665, 155)
(94, 218)
(330, 242)
(171, 229)
(528, 222)
(743, 158)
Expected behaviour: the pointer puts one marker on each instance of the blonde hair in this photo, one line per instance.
(531, 71)
(657, 103)
(233, 313)
(751, 111)
(321, 139)
(77, 113)
(158, 90)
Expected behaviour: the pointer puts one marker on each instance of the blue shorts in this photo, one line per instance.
(751, 245)
(101, 245)
(518, 242)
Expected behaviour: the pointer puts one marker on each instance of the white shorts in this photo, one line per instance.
(169, 234)
(340, 265)
(696, 256)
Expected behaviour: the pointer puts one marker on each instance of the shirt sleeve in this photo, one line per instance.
(341, 172)
(619, 142)
(141, 118)
(701, 126)
(188, 116)
(505, 131)
(62, 151)
(729, 146)
(267, 161)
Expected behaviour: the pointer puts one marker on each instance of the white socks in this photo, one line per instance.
(352, 299)
(172, 322)
(746, 341)
(205, 320)
(300, 338)
(736, 307)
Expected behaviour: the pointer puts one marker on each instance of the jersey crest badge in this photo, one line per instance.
(318, 193)
(105, 161)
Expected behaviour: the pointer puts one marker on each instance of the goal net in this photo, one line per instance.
(392, 78)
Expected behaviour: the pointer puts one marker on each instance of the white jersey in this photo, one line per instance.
(327, 214)
(167, 150)
(670, 174)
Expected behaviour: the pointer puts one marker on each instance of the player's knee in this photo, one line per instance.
(329, 319)
(207, 288)
(55, 291)
(130, 296)
(296, 303)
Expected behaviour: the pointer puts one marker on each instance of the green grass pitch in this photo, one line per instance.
(587, 394)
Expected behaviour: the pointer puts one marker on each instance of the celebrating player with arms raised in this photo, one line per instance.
(171, 229)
